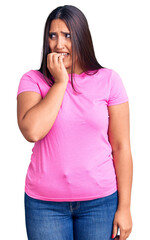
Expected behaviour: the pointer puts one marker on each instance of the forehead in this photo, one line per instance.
(58, 25)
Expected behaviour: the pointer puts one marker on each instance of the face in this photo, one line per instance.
(60, 42)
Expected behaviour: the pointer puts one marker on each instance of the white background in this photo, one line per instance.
(120, 31)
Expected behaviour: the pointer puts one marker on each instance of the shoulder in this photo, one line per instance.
(103, 74)
(35, 76)
(107, 72)
(31, 74)
(111, 76)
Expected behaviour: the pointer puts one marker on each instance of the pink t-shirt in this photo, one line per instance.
(74, 161)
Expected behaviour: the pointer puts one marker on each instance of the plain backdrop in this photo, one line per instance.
(121, 36)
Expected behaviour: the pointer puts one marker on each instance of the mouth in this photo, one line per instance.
(63, 53)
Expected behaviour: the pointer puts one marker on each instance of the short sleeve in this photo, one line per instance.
(117, 94)
(28, 83)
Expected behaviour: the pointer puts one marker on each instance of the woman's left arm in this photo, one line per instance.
(119, 137)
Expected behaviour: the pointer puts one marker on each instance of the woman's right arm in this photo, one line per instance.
(35, 115)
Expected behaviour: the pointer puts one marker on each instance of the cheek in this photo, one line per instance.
(51, 45)
(69, 46)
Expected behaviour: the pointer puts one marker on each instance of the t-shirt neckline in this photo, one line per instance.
(69, 74)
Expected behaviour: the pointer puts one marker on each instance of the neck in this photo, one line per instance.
(77, 70)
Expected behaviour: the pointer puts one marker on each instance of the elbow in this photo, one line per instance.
(31, 139)
(120, 145)
(30, 132)
(29, 135)
(125, 149)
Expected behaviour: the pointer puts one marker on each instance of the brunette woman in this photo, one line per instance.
(78, 183)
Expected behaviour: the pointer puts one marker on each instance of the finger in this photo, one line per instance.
(60, 60)
(127, 234)
(122, 235)
(56, 58)
(117, 238)
(115, 229)
(50, 59)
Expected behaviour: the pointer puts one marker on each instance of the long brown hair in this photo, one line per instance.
(81, 40)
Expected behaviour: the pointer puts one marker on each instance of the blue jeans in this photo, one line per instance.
(79, 220)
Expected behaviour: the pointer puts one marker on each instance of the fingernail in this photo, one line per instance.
(113, 236)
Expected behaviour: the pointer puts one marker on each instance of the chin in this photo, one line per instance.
(68, 68)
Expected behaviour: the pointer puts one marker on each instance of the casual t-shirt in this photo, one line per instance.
(74, 161)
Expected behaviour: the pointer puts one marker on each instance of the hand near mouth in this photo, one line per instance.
(56, 67)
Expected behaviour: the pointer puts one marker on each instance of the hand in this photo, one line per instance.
(122, 220)
(56, 67)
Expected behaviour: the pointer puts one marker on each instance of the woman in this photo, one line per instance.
(78, 184)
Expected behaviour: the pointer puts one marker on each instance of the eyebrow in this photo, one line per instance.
(61, 32)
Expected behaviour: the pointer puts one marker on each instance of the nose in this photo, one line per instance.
(60, 42)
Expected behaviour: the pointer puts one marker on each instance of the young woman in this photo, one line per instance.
(78, 184)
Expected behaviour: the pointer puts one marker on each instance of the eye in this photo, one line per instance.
(52, 35)
(67, 35)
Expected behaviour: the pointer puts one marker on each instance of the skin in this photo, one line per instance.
(60, 42)
(35, 115)
(119, 137)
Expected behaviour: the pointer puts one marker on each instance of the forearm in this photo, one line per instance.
(124, 172)
(38, 120)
